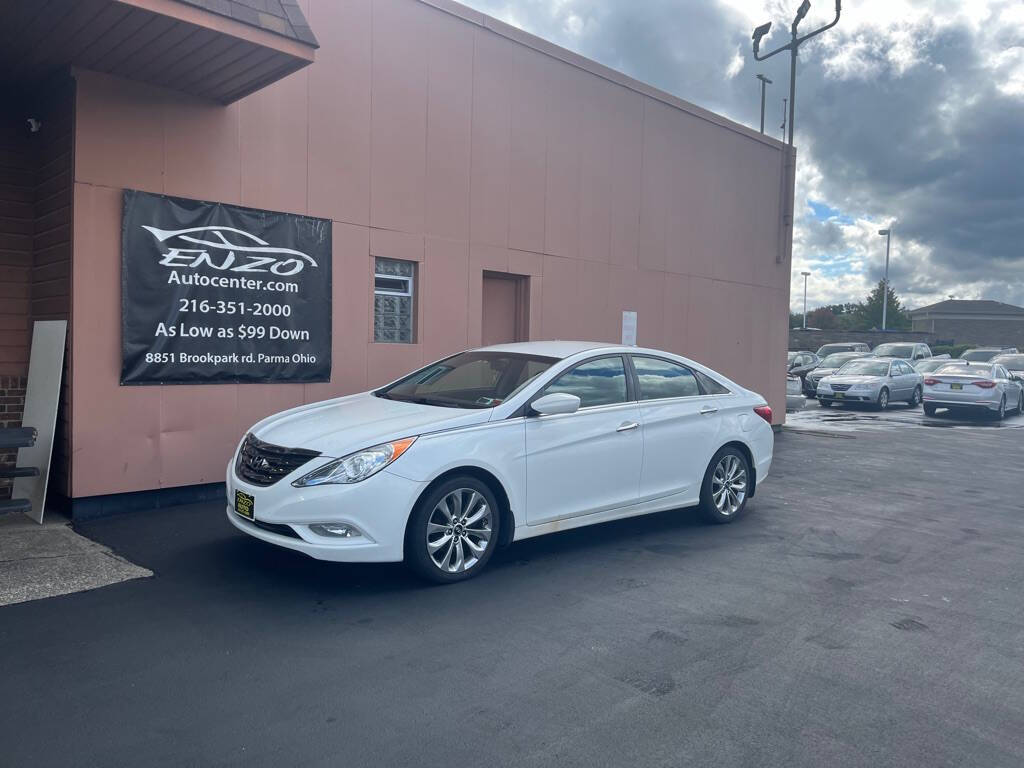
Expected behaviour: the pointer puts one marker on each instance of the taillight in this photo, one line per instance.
(931, 382)
(984, 384)
(765, 412)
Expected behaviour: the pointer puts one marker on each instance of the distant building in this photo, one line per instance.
(968, 321)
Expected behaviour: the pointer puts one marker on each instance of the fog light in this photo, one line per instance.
(337, 530)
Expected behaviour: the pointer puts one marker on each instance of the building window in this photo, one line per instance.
(394, 294)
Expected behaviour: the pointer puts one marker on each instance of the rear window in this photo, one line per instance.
(965, 370)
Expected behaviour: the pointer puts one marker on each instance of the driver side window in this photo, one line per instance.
(597, 382)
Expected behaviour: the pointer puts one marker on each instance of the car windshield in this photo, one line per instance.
(837, 359)
(865, 368)
(895, 350)
(924, 366)
(979, 355)
(1013, 362)
(469, 380)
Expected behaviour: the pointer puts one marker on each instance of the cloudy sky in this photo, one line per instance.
(909, 112)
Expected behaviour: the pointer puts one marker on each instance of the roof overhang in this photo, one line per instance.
(167, 43)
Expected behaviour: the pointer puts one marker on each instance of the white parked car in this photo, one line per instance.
(498, 444)
(982, 387)
(795, 399)
(878, 381)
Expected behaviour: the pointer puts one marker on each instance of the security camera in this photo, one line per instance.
(34, 125)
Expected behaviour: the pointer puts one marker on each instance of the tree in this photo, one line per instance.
(824, 318)
(868, 313)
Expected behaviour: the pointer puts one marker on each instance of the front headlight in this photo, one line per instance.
(356, 466)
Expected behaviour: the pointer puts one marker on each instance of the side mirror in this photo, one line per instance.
(556, 402)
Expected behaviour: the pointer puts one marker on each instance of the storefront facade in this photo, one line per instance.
(481, 185)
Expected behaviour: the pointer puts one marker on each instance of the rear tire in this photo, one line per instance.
(915, 399)
(726, 487)
(453, 531)
(1020, 404)
(1001, 413)
(929, 410)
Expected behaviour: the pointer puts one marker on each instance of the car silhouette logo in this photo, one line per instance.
(226, 248)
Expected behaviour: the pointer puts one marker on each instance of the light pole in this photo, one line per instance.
(764, 81)
(791, 46)
(805, 274)
(885, 292)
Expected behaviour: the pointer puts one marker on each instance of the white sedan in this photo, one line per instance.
(498, 444)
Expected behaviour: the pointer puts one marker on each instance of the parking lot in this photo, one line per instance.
(866, 611)
(858, 418)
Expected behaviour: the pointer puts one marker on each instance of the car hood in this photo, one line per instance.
(860, 379)
(338, 427)
(821, 372)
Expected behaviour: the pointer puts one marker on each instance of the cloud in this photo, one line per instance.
(909, 113)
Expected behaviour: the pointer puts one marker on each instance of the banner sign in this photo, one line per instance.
(215, 293)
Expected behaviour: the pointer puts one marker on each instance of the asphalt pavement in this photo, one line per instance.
(866, 612)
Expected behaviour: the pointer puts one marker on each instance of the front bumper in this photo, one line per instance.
(859, 396)
(378, 506)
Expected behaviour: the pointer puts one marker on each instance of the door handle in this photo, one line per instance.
(707, 409)
(626, 426)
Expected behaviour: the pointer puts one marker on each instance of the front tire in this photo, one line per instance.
(726, 486)
(915, 399)
(1020, 404)
(824, 403)
(883, 399)
(453, 531)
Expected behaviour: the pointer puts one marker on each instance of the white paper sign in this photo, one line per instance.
(629, 328)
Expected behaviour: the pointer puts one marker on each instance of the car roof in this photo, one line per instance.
(557, 348)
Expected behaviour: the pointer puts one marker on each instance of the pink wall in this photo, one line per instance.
(481, 148)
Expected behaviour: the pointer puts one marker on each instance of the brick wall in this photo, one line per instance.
(12, 401)
(811, 340)
(1005, 332)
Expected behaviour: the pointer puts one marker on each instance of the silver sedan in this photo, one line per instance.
(877, 381)
(981, 387)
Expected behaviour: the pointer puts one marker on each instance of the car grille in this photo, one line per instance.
(261, 463)
(840, 387)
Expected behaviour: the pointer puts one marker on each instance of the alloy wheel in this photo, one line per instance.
(729, 485)
(458, 530)
(883, 399)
